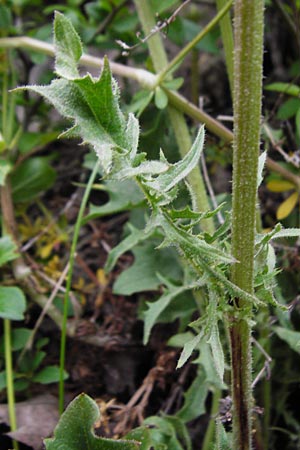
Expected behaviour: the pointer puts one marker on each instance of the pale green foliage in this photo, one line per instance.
(147, 269)
(155, 308)
(291, 337)
(12, 303)
(5, 168)
(8, 250)
(123, 196)
(32, 177)
(217, 350)
(188, 349)
(162, 433)
(135, 237)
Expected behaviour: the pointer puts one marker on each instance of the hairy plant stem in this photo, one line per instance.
(248, 34)
(160, 62)
(148, 81)
(69, 283)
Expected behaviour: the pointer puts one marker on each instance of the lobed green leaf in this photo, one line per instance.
(93, 106)
(74, 430)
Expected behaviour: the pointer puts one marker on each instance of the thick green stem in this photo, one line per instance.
(178, 122)
(248, 34)
(247, 116)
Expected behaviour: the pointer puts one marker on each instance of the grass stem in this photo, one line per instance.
(69, 283)
(10, 379)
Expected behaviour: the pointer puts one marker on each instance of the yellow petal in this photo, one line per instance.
(287, 206)
(280, 186)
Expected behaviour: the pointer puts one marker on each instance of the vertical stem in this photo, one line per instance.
(7, 227)
(10, 379)
(210, 431)
(5, 97)
(227, 40)
(195, 77)
(267, 412)
(69, 283)
(248, 35)
(160, 61)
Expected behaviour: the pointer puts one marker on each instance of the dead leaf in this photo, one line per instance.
(36, 419)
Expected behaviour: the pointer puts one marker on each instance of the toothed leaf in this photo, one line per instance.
(93, 106)
(178, 171)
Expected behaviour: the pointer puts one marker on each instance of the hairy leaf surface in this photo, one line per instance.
(74, 430)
